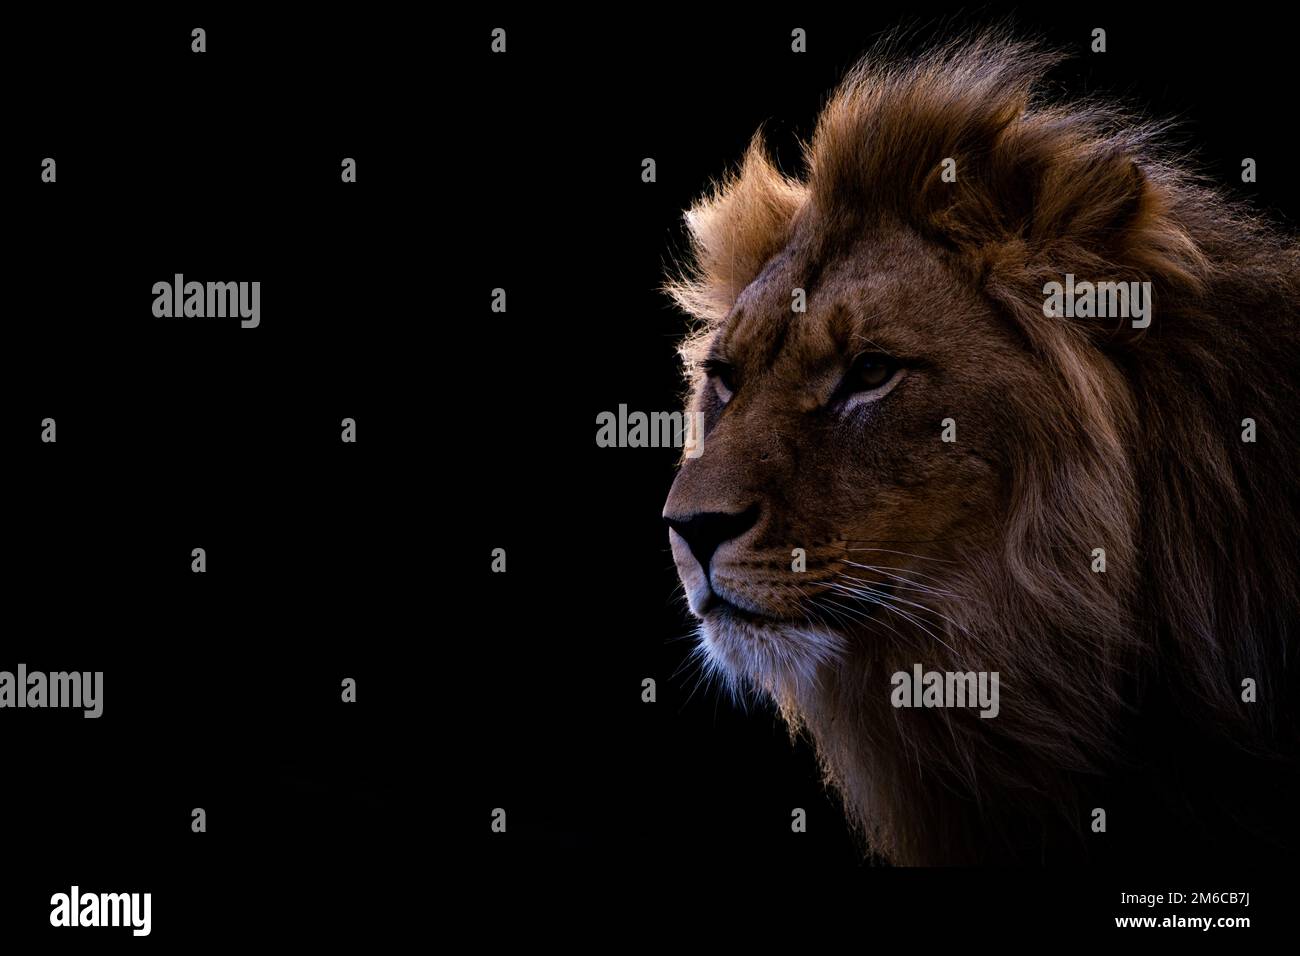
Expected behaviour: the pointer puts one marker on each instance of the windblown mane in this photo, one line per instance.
(1116, 683)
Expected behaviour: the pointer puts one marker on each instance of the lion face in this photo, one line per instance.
(825, 431)
(923, 467)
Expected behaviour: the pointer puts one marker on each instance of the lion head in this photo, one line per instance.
(906, 461)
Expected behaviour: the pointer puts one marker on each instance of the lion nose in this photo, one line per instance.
(704, 532)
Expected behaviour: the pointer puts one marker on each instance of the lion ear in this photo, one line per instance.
(1093, 209)
(1090, 198)
(734, 230)
(1100, 208)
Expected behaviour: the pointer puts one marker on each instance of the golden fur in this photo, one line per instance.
(1120, 690)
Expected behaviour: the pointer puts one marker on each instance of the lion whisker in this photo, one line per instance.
(906, 554)
(885, 568)
(911, 585)
(879, 597)
(921, 607)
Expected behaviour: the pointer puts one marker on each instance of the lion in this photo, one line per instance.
(910, 462)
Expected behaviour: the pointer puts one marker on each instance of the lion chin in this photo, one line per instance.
(922, 470)
(781, 659)
(743, 644)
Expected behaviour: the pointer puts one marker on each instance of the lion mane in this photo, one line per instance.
(1121, 691)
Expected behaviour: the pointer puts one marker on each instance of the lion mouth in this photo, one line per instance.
(719, 606)
(846, 608)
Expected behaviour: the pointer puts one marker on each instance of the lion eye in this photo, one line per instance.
(723, 376)
(870, 371)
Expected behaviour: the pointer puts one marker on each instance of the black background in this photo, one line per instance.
(476, 431)
(221, 690)
(691, 790)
